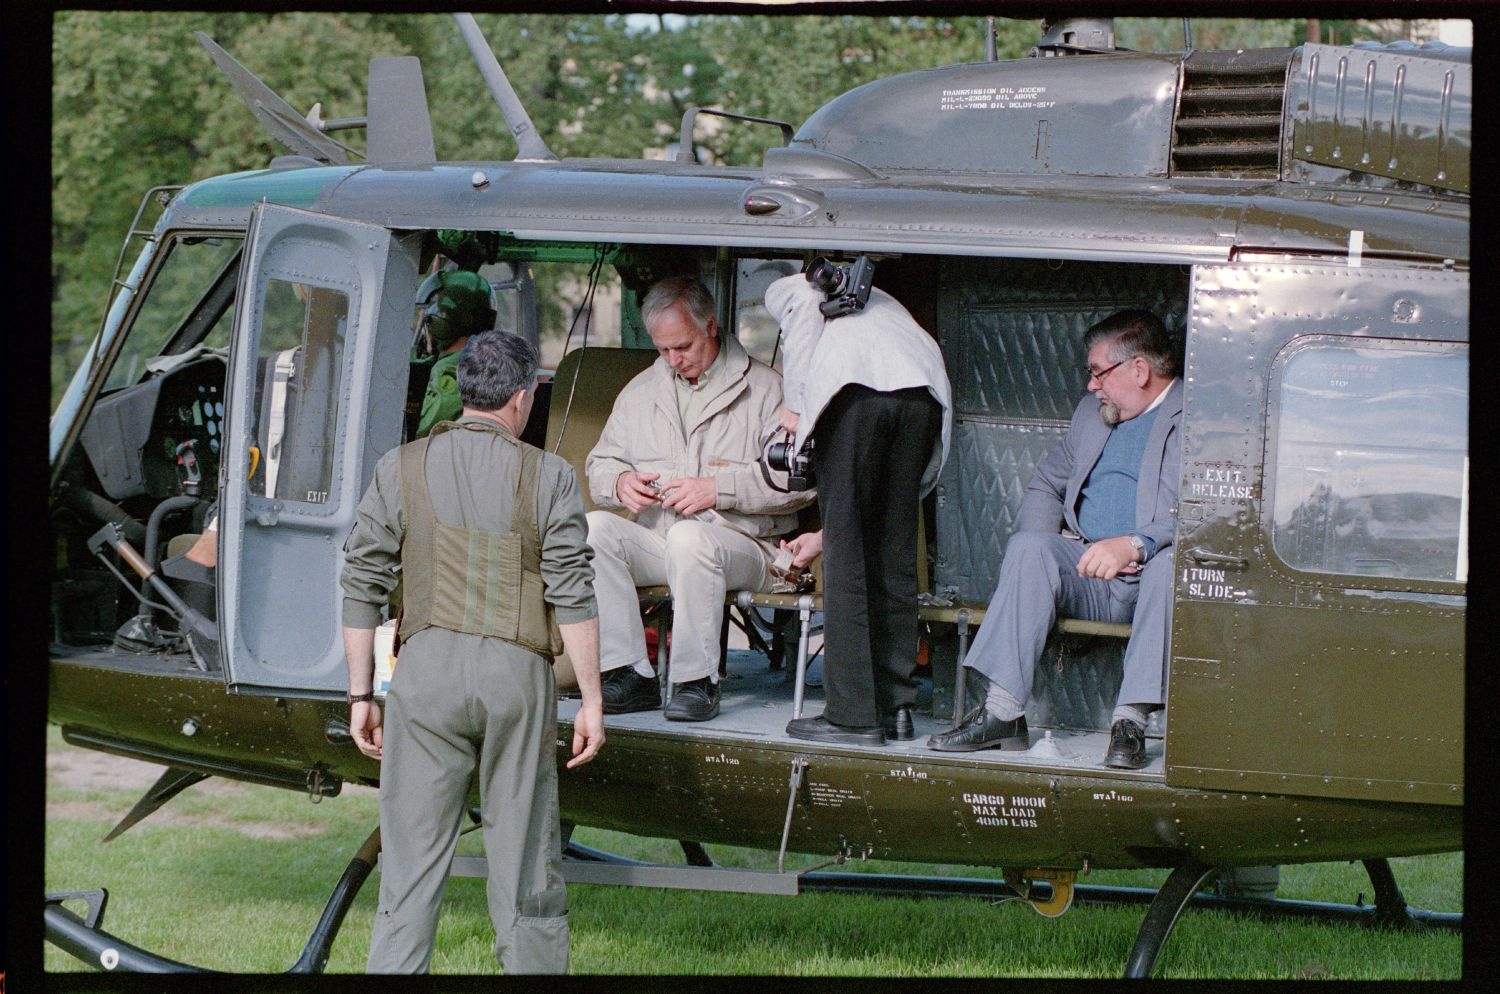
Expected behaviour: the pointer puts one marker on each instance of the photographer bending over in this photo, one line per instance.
(868, 387)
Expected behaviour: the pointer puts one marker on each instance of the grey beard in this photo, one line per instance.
(1109, 413)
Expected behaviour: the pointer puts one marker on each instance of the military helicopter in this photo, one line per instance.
(1298, 216)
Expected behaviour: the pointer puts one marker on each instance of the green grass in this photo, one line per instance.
(234, 877)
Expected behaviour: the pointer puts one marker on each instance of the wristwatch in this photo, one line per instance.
(1139, 544)
(357, 698)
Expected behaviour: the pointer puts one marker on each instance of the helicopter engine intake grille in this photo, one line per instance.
(1229, 117)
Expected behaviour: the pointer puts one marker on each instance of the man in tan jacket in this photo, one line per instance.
(680, 453)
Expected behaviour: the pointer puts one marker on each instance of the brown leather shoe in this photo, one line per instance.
(982, 730)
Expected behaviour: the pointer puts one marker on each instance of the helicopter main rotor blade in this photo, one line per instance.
(275, 115)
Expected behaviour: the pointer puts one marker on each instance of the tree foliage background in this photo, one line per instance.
(137, 103)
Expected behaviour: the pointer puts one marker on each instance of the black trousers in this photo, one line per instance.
(870, 449)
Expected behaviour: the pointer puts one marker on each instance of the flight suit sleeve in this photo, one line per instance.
(441, 402)
(372, 552)
(566, 567)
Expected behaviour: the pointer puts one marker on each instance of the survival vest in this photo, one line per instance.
(472, 581)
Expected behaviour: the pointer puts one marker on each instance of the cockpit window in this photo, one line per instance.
(1371, 457)
(191, 267)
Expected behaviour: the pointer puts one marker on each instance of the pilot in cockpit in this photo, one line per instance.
(455, 304)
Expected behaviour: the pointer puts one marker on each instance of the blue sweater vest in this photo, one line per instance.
(1106, 505)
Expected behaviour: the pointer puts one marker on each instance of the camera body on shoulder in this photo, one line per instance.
(845, 289)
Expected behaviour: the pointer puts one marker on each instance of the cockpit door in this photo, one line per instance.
(317, 387)
(1322, 544)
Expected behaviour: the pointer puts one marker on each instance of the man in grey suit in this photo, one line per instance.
(1095, 525)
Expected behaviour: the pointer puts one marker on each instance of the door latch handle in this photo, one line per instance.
(1200, 555)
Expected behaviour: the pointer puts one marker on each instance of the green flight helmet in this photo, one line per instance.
(454, 303)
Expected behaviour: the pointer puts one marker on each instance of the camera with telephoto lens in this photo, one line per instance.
(789, 457)
(845, 289)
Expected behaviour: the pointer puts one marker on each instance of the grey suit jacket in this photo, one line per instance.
(1051, 498)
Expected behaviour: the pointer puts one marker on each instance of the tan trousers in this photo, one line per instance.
(700, 562)
(462, 707)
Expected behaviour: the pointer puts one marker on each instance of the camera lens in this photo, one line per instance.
(824, 276)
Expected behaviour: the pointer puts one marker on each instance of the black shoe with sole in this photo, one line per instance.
(898, 725)
(696, 700)
(1127, 746)
(625, 690)
(982, 730)
(820, 729)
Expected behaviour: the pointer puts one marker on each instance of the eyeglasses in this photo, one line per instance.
(1102, 373)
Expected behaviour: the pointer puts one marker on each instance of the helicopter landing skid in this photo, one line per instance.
(1390, 909)
(83, 938)
(1049, 892)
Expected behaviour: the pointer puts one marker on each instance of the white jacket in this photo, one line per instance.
(881, 347)
(645, 433)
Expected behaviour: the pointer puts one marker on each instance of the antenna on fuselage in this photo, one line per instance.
(530, 145)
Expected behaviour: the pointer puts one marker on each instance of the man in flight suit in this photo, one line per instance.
(455, 304)
(468, 516)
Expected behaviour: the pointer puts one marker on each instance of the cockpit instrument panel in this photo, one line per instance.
(161, 437)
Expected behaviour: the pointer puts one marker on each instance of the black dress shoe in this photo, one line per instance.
(625, 690)
(898, 724)
(820, 729)
(1127, 746)
(982, 730)
(696, 700)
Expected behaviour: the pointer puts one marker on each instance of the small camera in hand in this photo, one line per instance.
(845, 289)
(789, 457)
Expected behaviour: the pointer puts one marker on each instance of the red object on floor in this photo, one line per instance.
(651, 643)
